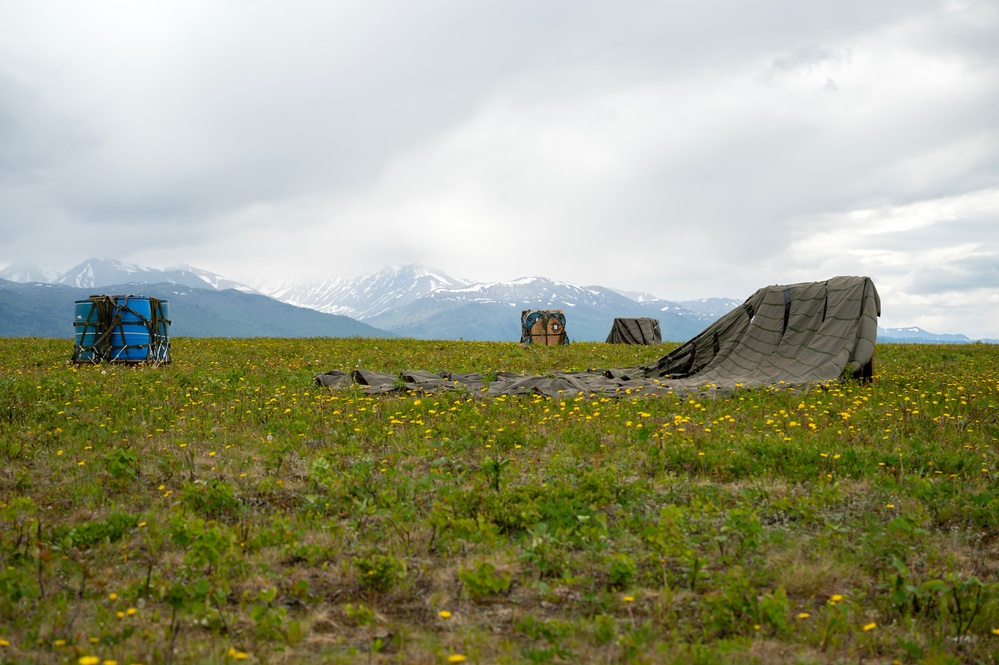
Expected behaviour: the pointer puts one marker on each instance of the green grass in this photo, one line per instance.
(225, 508)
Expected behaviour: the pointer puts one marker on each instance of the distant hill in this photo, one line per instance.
(421, 302)
(98, 273)
(47, 310)
(492, 311)
(410, 300)
(914, 335)
(23, 272)
(366, 295)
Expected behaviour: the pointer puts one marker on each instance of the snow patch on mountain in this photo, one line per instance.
(24, 273)
(366, 295)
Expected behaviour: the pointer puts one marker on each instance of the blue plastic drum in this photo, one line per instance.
(161, 337)
(130, 336)
(87, 330)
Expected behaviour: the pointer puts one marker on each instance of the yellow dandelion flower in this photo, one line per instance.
(870, 626)
(456, 658)
(88, 660)
(804, 615)
(4, 643)
(444, 614)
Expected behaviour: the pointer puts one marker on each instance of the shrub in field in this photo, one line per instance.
(621, 570)
(109, 530)
(379, 572)
(484, 581)
(547, 641)
(214, 499)
(121, 464)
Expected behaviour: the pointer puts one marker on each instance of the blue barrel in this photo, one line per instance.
(163, 327)
(161, 336)
(131, 332)
(87, 330)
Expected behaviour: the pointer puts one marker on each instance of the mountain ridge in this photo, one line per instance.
(36, 309)
(417, 301)
(422, 302)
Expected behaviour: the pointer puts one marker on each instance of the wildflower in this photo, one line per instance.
(835, 598)
(4, 643)
(804, 615)
(112, 596)
(88, 660)
(456, 658)
(628, 599)
(995, 631)
(444, 614)
(889, 506)
(870, 626)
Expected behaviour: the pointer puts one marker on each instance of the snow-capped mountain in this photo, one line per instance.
(97, 272)
(417, 301)
(47, 310)
(24, 273)
(913, 334)
(493, 310)
(712, 307)
(217, 282)
(363, 296)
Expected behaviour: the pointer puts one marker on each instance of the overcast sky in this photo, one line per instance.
(682, 148)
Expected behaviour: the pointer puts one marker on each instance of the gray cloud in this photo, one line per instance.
(696, 147)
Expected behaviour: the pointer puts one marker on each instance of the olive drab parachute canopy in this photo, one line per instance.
(635, 331)
(786, 335)
(799, 333)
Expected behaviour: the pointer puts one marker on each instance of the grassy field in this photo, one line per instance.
(223, 508)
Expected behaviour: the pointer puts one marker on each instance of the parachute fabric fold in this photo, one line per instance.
(783, 335)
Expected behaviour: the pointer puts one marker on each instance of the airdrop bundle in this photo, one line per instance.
(121, 329)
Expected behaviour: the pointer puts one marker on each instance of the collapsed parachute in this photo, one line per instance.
(782, 335)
